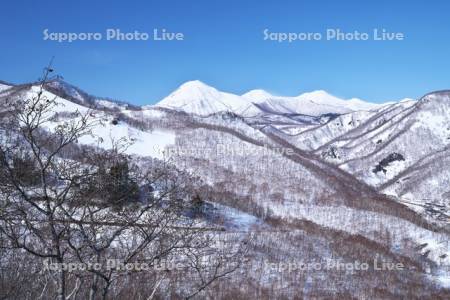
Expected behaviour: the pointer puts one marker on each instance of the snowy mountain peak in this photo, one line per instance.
(320, 96)
(199, 98)
(195, 89)
(324, 98)
(195, 85)
(258, 95)
(317, 93)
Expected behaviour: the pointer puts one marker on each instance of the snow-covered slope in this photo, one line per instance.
(323, 179)
(107, 129)
(258, 96)
(68, 90)
(73, 93)
(399, 148)
(198, 98)
(313, 103)
(4, 87)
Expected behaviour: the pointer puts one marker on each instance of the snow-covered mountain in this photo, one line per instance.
(198, 98)
(313, 103)
(329, 190)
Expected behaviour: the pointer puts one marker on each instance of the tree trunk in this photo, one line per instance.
(61, 285)
(105, 290)
(93, 289)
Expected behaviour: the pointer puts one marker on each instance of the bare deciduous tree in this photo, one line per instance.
(63, 203)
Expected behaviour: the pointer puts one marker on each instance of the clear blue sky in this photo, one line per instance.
(224, 46)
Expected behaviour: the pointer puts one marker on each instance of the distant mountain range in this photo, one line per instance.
(198, 98)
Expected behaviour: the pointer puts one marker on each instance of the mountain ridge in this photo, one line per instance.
(327, 180)
(201, 99)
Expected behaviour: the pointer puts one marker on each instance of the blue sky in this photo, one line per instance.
(224, 47)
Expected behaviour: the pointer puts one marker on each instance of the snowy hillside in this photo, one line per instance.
(313, 166)
(4, 86)
(198, 98)
(314, 103)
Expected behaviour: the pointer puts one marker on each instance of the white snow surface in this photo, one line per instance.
(4, 87)
(105, 134)
(137, 142)
(355, 135)
(198, 98)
